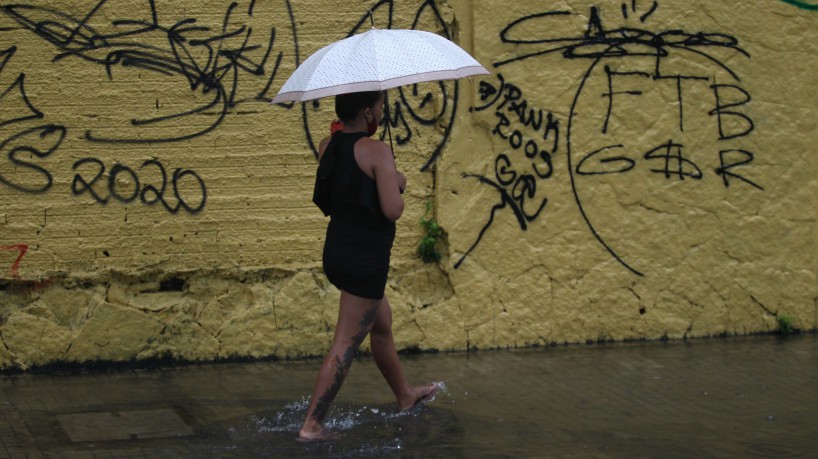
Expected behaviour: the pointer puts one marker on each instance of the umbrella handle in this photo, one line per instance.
(389, 131)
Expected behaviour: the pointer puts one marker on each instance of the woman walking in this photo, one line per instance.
(359, 187)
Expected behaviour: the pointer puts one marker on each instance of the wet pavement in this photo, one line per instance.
(721, 398)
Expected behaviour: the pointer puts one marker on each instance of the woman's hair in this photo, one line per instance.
(347, 106)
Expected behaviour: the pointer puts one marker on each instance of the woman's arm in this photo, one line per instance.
(322, 147)
(387, 179)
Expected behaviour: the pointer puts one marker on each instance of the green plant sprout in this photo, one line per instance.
(433, 232)
(785, 325)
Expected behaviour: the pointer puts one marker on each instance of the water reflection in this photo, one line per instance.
(738, 397)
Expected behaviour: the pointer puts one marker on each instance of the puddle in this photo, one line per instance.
(741, 397)
(125, 425)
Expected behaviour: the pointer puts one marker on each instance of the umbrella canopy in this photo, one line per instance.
(377, 60)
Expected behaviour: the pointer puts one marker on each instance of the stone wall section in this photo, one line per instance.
(630, 170)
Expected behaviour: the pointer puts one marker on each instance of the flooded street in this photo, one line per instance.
(733, 397)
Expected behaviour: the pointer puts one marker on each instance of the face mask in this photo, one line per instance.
(371, 127)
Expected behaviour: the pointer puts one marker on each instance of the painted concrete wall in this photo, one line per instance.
(631, 169)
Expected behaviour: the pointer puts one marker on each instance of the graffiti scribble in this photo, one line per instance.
(532, 138)
(609, 52)
(211, 62)
(26, 144)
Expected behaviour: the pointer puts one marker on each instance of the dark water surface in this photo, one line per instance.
(720, 398)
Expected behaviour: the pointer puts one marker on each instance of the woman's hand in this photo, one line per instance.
(401, 182)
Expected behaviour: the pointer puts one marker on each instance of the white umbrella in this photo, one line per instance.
(377, 60)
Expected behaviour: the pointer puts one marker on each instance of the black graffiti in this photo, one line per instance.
(24, 148)
(512, 103)
(533, 137)
(212, 62)
(725, 168)
(597, 42)
(670, 155)
(420, 110)
(610, 51)
(148, 194)
(604, 163)
(633, 8)
(514, 189)
(415, 103)
(23, 145)
(745, 123)
(675, 163)
(29, 145)
(731, 125)
(27, 111)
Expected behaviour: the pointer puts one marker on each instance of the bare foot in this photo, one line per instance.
(417, 396)
(315, 432)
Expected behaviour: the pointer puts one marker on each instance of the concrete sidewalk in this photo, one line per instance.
(732, 397)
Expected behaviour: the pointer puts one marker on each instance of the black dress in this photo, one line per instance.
(359, 237)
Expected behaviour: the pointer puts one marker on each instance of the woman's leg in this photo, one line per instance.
(355, 318)
(383, 350)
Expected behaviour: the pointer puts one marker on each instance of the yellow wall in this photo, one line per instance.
(629, 170)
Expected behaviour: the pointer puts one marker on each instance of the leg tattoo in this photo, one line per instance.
(342, 364)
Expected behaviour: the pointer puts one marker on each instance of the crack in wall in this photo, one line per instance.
(763, 307)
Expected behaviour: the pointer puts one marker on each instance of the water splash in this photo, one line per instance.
(287, 420)
(339, 419)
